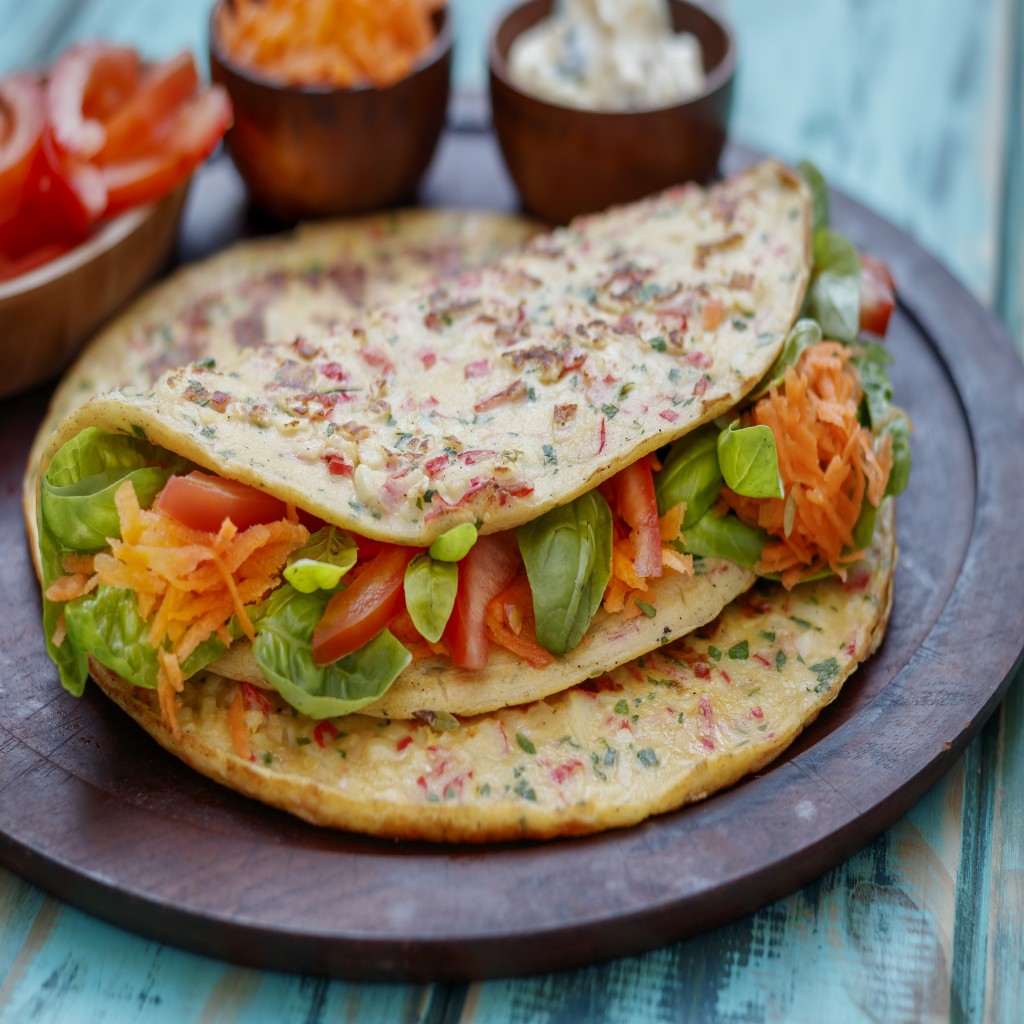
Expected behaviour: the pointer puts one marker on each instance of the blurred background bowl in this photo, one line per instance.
(316, 151)
(47, 313)
(565, 161)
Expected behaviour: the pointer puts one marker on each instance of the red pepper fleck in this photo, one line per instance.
(435, 465)
(757, 712)
(374, 357)
(337, 465)
(421, 782)
(403, 743)
(334, 371)
(428, 359)
(702, 670)
(561, 772)
(669, 414)
(324, 732)
(600, 447)
(725, 676)
(701, 359)
(512, 393)
(475, 455)
(701, 386)
(253, 699)
(480, 368)
(764, 661)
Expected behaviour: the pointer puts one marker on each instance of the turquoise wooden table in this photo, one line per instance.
(916, 108)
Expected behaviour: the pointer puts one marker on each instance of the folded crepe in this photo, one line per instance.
(491, 440)
(499, 400)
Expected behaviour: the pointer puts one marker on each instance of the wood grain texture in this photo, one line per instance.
(892, 159)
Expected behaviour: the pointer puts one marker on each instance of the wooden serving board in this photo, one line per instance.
(92, 810)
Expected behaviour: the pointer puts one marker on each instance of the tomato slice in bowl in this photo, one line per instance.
(87, 84)
(162, 89)
(22, 118)
(488, 568)
(177, 147)
(355, 615)
(203, 502)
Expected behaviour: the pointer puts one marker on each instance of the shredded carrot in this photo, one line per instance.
(189, 584)
(239, 730)
(169, 683)
(670, 524)
(828, 464)
(511, 623)
(67, 588)
(328, 42)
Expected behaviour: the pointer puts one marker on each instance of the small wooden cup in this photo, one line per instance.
(318, 151)
(565, 161)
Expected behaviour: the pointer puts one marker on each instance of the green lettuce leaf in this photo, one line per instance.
(322, 562)
(819, 193)
(568, 556)
(430, 589)
(283, 650)
(107, 624)
(833, 298)
(714, 536)
(77, 515)
(749, 461)
(691, 474)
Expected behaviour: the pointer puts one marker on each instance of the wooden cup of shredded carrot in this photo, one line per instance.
(340, 43)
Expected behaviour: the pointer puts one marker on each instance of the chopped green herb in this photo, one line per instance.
(740, 651)
(610, 410)
(622, 708)
(715, 653)
(648, 609)
(827, 672)
(267, 757)
(523, 789)
(658, 344)
(485, 789)
(767, 634)
(525, 744)
(648, 758)
(550, 458)
(780, 660)
(303, 741)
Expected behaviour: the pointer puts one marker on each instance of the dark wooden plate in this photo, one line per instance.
(93, 811)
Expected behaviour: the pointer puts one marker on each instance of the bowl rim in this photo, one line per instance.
(439, 48)
(108, 236)
(715, 79)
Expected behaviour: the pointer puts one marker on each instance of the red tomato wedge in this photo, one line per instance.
(179, 145)
(490, 566)
(60, 202)
(203, 502)
(877, 296)
(88, 83)
(355, 615)
(162, 90)
(634, 491)
(22, 117)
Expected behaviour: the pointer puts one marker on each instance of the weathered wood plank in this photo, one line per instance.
(900, 104)
(61, 965)
(1004, 980)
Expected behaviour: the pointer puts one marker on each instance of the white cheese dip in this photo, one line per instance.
(608, 55)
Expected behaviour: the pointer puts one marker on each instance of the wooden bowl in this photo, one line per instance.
(317, 151)
(46, 314)
(565, 161)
